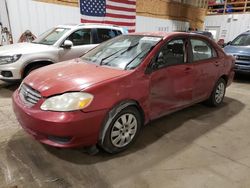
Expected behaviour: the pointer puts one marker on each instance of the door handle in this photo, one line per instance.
(217, 63)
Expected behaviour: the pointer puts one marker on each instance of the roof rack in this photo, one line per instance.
(83, 24)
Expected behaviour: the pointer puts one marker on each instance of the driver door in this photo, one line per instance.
(82, 40)
(172, 79)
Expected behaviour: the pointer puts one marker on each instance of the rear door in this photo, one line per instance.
(206, 67)
(171, 83)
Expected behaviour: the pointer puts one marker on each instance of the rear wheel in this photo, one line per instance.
(217, 96)
(122, 131)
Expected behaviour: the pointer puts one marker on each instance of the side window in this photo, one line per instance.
(105, 34)
(118, 32)
(81, 37)
(201, 50)
(172, 53)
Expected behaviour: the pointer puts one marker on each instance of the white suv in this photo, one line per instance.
(61, 43)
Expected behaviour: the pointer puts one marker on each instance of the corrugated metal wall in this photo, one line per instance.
(38, 17)
(153, 24)
(229, 26)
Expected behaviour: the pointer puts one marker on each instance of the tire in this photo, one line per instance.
(124, 127)
(32, 68)
(217, 96)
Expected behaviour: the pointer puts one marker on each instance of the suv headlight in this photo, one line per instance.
(67, 102)
(9, 59)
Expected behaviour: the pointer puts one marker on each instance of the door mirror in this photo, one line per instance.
(67, 44)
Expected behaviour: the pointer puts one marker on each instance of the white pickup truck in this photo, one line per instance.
(61, 43)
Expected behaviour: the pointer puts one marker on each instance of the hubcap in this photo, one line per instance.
(219, 94)
(124, 130)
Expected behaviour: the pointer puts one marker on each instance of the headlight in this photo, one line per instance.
(9, 59)
(68, 102)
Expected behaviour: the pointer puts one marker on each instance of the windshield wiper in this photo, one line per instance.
(103, 59)
(129, 48)
(138, 56)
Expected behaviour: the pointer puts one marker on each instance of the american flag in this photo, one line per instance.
(114, 12)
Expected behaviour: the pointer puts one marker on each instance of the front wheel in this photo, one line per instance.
(122, 131)
(217, 96)
(31, 68)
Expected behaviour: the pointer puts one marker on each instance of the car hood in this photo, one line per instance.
(243, 50)
(23, 48)
(74, 75)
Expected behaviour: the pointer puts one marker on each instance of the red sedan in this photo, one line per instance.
(107, 95)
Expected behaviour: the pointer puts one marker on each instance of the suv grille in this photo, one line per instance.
(243, 58)
(28, 95)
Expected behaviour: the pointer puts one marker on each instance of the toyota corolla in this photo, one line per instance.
(107, 95)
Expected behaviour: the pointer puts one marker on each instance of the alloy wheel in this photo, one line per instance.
(219, 93)
(124, 130)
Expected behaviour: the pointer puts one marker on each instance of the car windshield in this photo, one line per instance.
(242, 40)
(51, 36)
(124, 52)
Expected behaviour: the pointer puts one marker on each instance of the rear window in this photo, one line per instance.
(201, 50)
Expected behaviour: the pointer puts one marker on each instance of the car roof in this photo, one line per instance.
(157, 34)
(88, 25)
(201, 32)
(167, 34)
(247, 32)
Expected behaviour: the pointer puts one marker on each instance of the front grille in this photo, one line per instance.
(28, 95)
(242, 58)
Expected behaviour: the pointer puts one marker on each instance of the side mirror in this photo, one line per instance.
(67, 44)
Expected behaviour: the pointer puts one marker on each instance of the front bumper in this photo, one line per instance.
(10, 72)
(59, 129)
